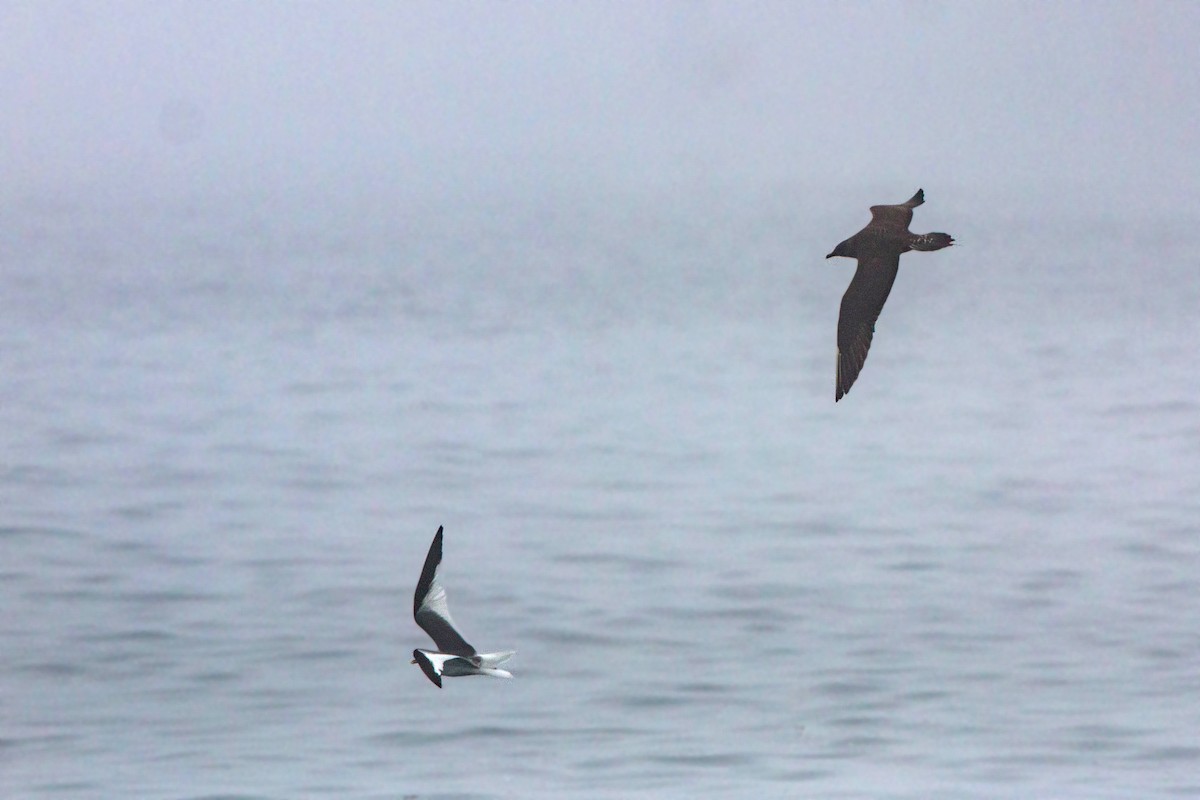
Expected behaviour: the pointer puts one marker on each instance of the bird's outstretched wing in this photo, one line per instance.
(861, 304)
(896, 218)
(428, 667)
(430, 609)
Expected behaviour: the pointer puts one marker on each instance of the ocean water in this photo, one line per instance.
(228, 432)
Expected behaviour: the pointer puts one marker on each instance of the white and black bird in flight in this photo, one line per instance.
(878, 248)
(454, 657)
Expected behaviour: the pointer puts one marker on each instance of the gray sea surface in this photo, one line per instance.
(229, 430)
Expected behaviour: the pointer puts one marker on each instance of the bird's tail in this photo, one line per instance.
(488, 660)
(495, 673)
(931, 241)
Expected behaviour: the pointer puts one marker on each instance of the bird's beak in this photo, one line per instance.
(829, 256)
(413, 661)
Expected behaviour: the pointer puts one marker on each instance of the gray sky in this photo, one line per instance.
(1063, 99)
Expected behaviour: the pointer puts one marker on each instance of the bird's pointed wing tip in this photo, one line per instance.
(427, 666)
(433, 560)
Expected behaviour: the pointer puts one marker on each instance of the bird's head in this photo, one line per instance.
(843, 249)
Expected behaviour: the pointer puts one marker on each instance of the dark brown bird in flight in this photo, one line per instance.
(877, 248)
